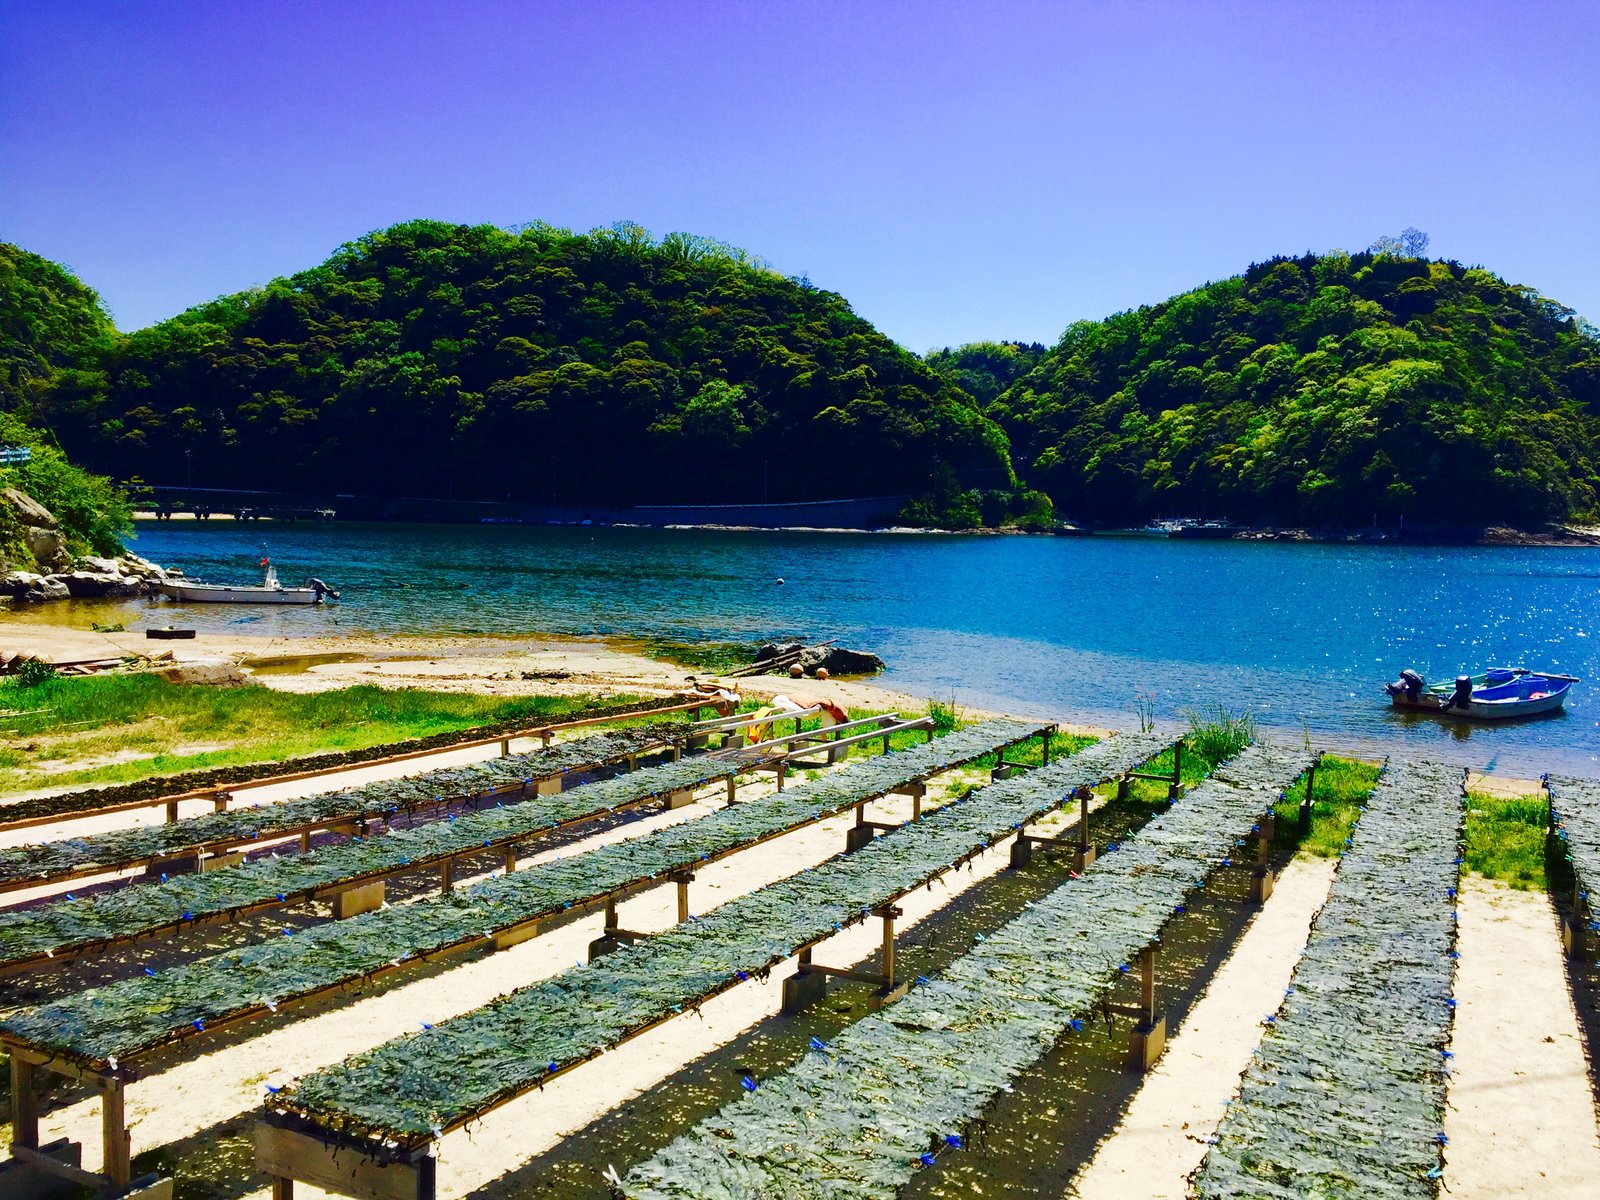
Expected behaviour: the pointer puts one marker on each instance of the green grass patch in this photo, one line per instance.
(1339, 790)
(1505, 838)
(128, 727)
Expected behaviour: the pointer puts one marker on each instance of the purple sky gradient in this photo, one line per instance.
(957, 171)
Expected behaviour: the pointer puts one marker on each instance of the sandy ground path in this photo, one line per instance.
(1520, 1113)
(1162, 1137)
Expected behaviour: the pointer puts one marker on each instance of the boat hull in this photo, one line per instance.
(217, 593)
(1529, 696)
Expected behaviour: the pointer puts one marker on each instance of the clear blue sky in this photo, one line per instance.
(957, 171)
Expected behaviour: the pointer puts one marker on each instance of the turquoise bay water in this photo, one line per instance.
(1303, 634)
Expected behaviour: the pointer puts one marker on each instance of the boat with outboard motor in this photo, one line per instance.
(270, 591)
(1495, 695)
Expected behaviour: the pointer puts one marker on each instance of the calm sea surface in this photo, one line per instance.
(1304, 635)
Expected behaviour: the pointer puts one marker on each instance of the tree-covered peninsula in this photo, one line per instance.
(1329, 389)
(536, 365)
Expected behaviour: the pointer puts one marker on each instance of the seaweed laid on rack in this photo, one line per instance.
(39, 862)
(414, 1087)
(858, 1115)
(123, 1019)
(1345, 1094)
(139, 909)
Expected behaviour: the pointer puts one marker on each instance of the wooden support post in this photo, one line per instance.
(1149, 1037)
(1124, 787)
(886, 743)
(24, 1103)
(282, 1189)
(1044, 748)
(505, 747)
(118, 1168)
(544, 739)
(1175, 791)
(683, 881)
(1021, 850)
(219, 802)
(305, 841)
(797, 724)
(363, 898)
(447, 876)
(1306, 800)
(805, 987)
(783, 771)
(172, 811)
(1262, 878)
(1086, 852)
(550, 786)
(733, 784)
(889, 912)
(511, 858)
(633, 763)
(611, 914)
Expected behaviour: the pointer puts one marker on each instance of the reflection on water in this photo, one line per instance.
(1305, 635)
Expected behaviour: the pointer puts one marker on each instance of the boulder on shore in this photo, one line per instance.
(836, 660)
(31, 588)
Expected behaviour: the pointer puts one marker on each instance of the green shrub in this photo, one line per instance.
(1218, 733)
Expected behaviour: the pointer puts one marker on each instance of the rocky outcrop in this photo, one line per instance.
(31, 588)
(41, 533)
(836, 660)
(58, 575)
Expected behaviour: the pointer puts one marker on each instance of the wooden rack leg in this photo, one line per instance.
(733, 783)
(505, 747)
(544, 738)
(1175, 791)
(1149, 1036)
(1044, 748)
(114, 1128)
(24, 1104)
(683, 882)
(511, 859)
(305, 842)
(1306, 801)
(447, 875)
(783, 771)
(282, 1189)
(1262, 877)
(219, 802)
(172, 811)
(1086, 851)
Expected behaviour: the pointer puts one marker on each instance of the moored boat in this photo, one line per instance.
(1495, 695)
(269, 591)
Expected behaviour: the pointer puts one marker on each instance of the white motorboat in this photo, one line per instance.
(269, 591)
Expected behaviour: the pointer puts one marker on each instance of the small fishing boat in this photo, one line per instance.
(1497, 694)
(270, 591)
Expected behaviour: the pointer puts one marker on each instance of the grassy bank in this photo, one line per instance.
(118, 728)
(1504, 838)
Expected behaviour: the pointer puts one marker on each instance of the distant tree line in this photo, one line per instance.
(612, 367)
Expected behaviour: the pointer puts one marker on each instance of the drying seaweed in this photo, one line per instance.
(412, 1088)
(119, 1021)
(1345, 1095)
(174, 903)
(857, 1116)
(387, 798)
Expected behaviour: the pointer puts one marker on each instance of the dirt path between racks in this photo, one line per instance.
(1162, 1137)
(1520, 1113)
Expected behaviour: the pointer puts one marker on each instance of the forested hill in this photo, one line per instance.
(539, 365)
(1321, 389)
(54, 338)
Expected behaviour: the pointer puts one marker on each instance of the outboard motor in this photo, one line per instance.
(1462, 696)
(322, 590)
(1409, 685)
